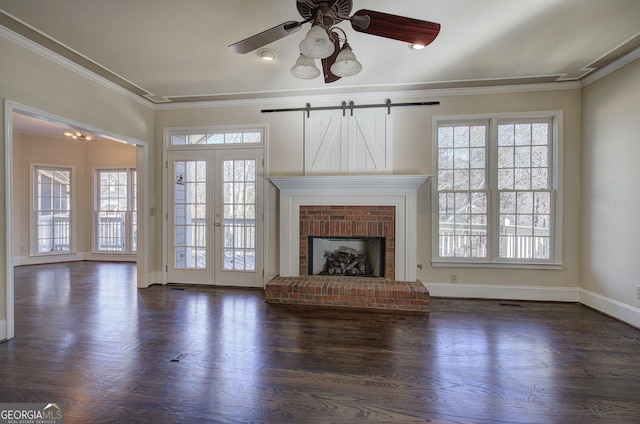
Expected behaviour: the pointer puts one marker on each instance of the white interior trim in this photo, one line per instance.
(8, 247)
(507, 292)
(613, 308)
(3, 330)
(370, 190)
(618, 310)
(72, 66)
(611, 68)
(74, 257)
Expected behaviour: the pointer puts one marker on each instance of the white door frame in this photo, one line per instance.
(167, 132)
(7, 329)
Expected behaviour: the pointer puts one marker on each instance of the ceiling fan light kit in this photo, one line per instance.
(321, 42)
(346, 64)
(305, 68)
(317, 44)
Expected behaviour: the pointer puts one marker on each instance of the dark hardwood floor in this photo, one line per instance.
(105, 351)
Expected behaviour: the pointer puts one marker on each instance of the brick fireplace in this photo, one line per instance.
(372, 205)
(348, 221)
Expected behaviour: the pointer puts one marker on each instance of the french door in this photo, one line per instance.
(214, 217)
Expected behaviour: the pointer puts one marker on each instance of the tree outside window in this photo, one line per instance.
(495, 191)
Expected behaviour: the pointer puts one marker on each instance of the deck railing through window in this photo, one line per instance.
(54, 233)
(112, 231)
(242, 257)
(471, 242)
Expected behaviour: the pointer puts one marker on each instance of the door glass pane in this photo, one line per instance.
(239, 221)
(190, 207)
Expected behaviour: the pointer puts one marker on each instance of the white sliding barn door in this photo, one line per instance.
(338, 145)
(369, 143)
(325, 147)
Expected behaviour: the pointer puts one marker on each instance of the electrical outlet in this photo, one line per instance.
(638, 292)
(454, 278)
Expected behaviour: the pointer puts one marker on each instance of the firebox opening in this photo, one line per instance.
(346, 256)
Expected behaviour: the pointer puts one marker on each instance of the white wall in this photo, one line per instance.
(413, 155)
(610, 254)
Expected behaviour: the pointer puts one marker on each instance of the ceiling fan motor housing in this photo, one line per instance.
(332, 12)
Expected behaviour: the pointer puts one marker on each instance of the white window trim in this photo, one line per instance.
(129, 212)
(33, 228)
(169, 131)
(555, 262)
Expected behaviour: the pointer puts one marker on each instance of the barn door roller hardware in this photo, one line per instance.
(349, 106)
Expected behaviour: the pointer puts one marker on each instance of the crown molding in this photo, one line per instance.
(611, 68)
(70, 65)
(373, 96)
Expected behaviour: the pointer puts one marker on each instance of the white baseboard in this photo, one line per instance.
(618, 310)
(615, 309)
(3, 330)
(72, 257)
(486, 291)
(154, 278)
(51, 259)
(109, 257)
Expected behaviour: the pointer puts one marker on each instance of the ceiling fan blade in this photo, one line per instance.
(329, 77)
(396, 27)
(266, 37)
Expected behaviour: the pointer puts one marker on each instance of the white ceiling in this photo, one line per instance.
(176, 51)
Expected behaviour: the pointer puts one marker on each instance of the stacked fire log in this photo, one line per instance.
(346, 261)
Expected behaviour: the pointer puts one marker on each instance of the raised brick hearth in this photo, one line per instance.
(351, 292)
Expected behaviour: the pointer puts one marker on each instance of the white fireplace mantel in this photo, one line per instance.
(350, 190)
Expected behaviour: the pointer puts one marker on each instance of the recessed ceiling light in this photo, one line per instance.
(417, 46)
(267, 54)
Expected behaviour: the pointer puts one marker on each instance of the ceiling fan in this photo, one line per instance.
(323, 39)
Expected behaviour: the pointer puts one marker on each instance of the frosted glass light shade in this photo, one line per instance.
(305, 68)
(317, 44)
(346, 63)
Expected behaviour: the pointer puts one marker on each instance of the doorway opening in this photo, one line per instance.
(19, 120)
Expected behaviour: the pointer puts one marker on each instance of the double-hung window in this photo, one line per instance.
(497, 195)
(116, 217)
(52, 210)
